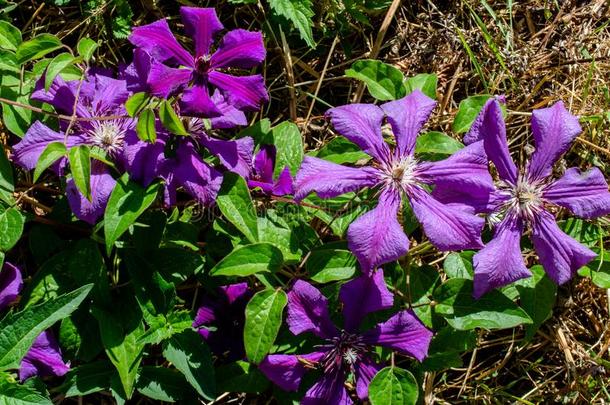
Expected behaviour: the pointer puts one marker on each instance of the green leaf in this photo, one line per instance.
(126, 203)
(456, 266)
(339, 150)
(189, 354)
(537, 294)
(300, 13)
(51, 153)
(437, 142)
(11, 228)
(263, 321)
(80, 166)
(325, 265)
(447, 346)
(18, 394)
(467, 112)
(289, 146)
(37, 47)
(137, 103)
(7, 185)
(587, 233)
(393, 386)
(250, 259)
(240, 377)
(145, 127)
(170, 120)
(57, 64)
(492, 311)
(19, 330)
(88, 379)
(86, 46)
(163, 384)
(384, 81)
(425, 82)
(236, 205)
(10, 36)
(598, 270)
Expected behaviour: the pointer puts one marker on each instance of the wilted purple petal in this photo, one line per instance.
(231, 116)
(407, 116)
(235, 155)
(285, 370)
(308, 311)
(102, 185)
(244, 92)
(403, 332)
(202, 24)
(365, 370)
(196, 101)
(158, 40)
(377, 237)
(560, 255)
(43, 359)
(364, 295)
(493, 133)
(11, 283)
(361, 124)
(554, 129)
(500, 262)
(330, 389)
(584, 193)
(329, 179)
(239, 49)
(163, 81)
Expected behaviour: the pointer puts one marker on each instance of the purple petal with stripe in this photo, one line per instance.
(196, 101)
(330, 389)
(244, 92)
(362, 296)
(230, 116)
(44, 359)
(493, 133)
(287, 370)
(202, 24)
(164, 81)
(308, 311)
(157, 39)
(239, 49)
(235, 155)
(365, 370)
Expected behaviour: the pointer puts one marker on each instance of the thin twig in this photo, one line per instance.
(319, 85)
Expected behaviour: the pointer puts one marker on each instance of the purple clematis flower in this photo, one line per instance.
(524, 199)
(262, 174)
(174, 70)
(377, 237)
(347, 351)
(11, 283)
(221, 321)
(43, 359)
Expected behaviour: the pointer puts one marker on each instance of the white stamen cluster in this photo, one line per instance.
(108, 135)
(525, 199)
(402, 173)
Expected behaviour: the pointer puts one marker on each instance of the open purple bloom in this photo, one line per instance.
(347, 351)
(262, 174)
(524, 199)
(377, 237)
(174, 70)
(11, 283)
(43, 359)
(220, 320)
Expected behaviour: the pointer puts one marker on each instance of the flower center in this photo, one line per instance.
(345, 351)
(108, 135)
(525, 199)
(202, 65)
(402, 173)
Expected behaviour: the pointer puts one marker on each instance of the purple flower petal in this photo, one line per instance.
(240, 49)
(60, 95)
(493, 132)
(196, 101)
(136, 73)
(377, 237)
(158, 40)
(43, 359)
(308, 311)
(11, 283)
(205, 316)
(264, 163)
(403, 332)
(500, 262)
(364, 295)
(102, 185)
(27, 152)
(235, 292)
(202, 24)
(283, 185)
(164, 81)
(286, 371)
(447, 227)
(143, 160)
(585, 194)
(244, 92)
(231, 117)
(407, 116)
(560, 255)
(365, 370)
(474, 133)
(329, 179)
(235, 155)
(109, 95)
(554, 129)
(361, 124)
(330, 389)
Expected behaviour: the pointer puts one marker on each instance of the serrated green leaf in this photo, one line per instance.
(19, 330)
(170, 119)
(137, 103)
(494, 310)
(126, 203)
(51, 153)
(467, 112)
(384, 81)
(189, 354)
(250, 259)
(425, 82)
(37, 47)
(10, 36)
(300, 13)
(393, 386)
(11, 228)
(80, 167)
(236, 205)
(263, 321)
(86, 46)
(437, 142)
(145, 128)
(18, 394)
(57, 64)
